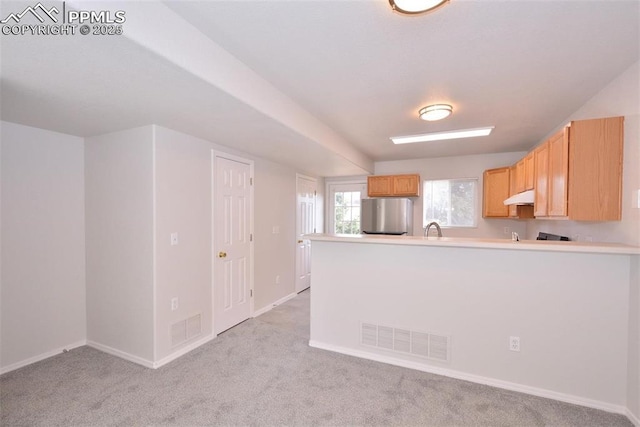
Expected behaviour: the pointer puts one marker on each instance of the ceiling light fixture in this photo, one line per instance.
(437, 136)
(414, 7)
(435, 112)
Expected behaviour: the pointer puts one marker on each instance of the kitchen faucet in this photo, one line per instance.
(426, 229)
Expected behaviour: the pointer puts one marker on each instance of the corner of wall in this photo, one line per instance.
(119, 245)
(42, 219)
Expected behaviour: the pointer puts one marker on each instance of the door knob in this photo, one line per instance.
(300, 241)
(222, 254)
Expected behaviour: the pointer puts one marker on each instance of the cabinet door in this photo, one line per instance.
(406, 185)
(380, 186)
(595, 169)
(558, 173)
(495, 192)
(513, 209)
(529, 171)
(520, 173)
(541, 159)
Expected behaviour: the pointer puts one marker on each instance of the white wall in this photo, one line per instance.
(458, 167)
(571, 315)
(119, 242)
(618, 98)
(43, 240)
(275, 206)
(182, 205)
(171, 171)
(621, 97)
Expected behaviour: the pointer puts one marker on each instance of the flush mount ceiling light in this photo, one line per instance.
(414, 7)
(435, 112)
(437, 136)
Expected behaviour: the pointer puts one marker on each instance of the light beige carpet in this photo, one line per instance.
(262, 372)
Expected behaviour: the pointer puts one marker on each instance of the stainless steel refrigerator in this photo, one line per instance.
(387, 216)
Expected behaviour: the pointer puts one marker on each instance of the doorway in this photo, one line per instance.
(344, 206)
(306, 190)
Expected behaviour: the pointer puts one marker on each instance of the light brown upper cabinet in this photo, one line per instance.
(541, 159)
(393, 185)
(513, 209)
(558, 173)
(524, 173)
(595, 169)
(529, 171)
(406, 185)
(578, 172)
(378, 186)
(494, 192)
(517, 211)
(519, 177)
(551, 174)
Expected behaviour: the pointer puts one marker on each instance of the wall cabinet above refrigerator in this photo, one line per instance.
(393, 185)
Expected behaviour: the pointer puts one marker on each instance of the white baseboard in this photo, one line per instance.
(46, 355)
(182, 351)
(121, 354)
(275, 304)
(148, 363)
(549, 394)
(633, 418)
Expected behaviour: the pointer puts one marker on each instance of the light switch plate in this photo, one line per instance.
(174, 239)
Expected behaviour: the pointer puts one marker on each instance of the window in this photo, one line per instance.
(347, 212)
(450, 203)
(344, 207)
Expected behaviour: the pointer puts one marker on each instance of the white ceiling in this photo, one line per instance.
(318, 78)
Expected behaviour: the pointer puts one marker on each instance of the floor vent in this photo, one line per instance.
(423, 344)
(186, 329)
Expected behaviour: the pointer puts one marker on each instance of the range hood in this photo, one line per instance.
(524, 198)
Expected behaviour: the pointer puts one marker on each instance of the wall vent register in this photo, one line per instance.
(423, 344)
(186, 329)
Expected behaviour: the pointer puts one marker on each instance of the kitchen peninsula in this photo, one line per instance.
(553, 319)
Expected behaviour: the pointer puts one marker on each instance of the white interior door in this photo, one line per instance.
(232, 242)
(305, 224)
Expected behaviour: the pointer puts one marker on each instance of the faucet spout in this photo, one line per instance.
(426, 229)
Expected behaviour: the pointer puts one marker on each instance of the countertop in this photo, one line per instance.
(459, 242)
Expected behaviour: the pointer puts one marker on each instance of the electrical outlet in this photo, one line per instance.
(278, 280)
(506, 230)
(514, 343)
(174, 304)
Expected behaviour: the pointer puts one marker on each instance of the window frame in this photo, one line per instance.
(476, 210)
